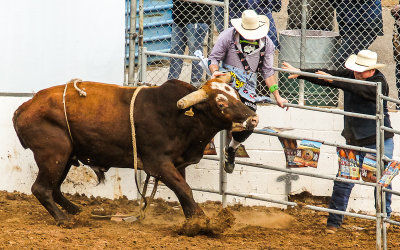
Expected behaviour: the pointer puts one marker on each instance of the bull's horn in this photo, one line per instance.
(192, 99)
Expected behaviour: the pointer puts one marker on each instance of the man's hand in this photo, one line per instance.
(280, 101)
(287, 66)
(216, 74)
(319, 72)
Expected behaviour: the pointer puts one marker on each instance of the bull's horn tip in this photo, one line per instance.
(180, 104)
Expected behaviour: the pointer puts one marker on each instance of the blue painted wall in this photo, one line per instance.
(157, 26)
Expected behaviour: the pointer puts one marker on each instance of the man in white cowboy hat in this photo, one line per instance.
(357, 131)
(244, 50)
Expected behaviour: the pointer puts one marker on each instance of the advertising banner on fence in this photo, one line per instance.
(368, 168)
(307, 153)
(390, 172)
(349, 166)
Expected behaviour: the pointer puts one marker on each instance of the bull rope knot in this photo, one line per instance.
(81, 92)
(143, 201)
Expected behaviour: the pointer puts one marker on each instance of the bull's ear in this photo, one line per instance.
(192, 99)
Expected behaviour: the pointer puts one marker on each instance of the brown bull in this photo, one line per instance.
(99, 134)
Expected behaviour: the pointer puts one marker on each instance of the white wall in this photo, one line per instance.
(49, 42)
(45, 43)
(18, 169)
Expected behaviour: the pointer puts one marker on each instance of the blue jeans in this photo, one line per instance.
(191, 35)
(219, 18)
(341, 191)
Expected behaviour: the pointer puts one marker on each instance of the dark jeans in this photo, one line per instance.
(320, 15)
(398, 82)
(341, 191)
(352, 41)
(396, 56)
(191, 35)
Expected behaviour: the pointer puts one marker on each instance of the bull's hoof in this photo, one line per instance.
(203, 225)
(62, 222)
(73, 210)
(74, 222)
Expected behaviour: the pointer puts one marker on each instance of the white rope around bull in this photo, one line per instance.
(135, 159)
(81, 93)
(131, 115)
(65, 112)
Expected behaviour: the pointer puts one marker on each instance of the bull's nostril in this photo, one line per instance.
(254, 121)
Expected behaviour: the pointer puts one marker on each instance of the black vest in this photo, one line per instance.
(358, 131)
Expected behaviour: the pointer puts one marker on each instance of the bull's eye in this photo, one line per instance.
(222, 101)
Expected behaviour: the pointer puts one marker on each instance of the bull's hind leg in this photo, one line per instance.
(52, 162)
(58, 197)
(44, 193)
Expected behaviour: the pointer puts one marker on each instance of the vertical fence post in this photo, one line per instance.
(143, 64)
(140, 36)
(379, 162)
(223, 181)
(132, 43)
(139, 65)
(302, 48)
(226, 14)
(222, 175)
(142, 57)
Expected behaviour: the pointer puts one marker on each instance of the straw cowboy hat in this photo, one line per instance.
(363, 61)
(251, 26)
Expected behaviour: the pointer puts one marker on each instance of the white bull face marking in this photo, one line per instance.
(221, 98)
(225, 88)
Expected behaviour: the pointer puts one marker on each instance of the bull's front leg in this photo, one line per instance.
(173, 179)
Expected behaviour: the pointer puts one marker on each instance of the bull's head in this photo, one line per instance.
(224, 103)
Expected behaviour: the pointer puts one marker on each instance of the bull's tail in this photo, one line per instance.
(14, 119)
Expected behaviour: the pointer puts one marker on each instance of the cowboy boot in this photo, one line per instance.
(229, 163)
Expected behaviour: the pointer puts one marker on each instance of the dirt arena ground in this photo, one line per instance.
(26, 224)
